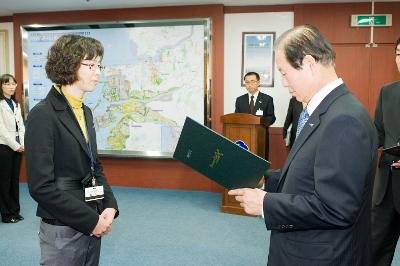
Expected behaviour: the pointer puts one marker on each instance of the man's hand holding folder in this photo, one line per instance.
(250, 199)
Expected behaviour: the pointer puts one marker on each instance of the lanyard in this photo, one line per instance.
(88, 143)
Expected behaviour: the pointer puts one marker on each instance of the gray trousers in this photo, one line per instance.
(65, 246)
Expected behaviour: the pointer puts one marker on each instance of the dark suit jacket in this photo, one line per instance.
(292, 118)
(263, 102)
(55, 148)
(387, 115)
(319, 212)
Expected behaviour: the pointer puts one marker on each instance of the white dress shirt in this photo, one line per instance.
(321, 94)
(255, 97)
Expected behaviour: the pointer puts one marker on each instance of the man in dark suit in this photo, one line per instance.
(65, 177)
(319, 209)
(386, 196)
(256, 103)
(292, 117)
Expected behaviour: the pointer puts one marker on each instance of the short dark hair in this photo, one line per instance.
(305, 40)
(5, 78)
(250, 74)
(65, 56)
(397, 43)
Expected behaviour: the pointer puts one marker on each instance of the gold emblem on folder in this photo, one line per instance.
(217, 156)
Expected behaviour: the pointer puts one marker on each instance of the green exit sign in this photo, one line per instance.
(365, 20)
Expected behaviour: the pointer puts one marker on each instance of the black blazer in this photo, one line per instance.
(263, 102)
(56, 149)
(292, 117)
(387, 115)
(319, 210)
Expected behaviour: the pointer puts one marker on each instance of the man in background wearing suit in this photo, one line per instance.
(292, 117)
(256, 103)
(319, 211)
(386, 196)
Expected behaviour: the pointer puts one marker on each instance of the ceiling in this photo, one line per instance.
(9, 7)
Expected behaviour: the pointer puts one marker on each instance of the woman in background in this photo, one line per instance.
(11, 146)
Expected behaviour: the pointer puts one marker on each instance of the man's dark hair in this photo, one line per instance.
(305, 40)
(65, 56)
(397, 43)
(5, 78)
(250, 74)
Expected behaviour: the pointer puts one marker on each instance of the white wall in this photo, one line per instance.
(235, 24)
(9, 27)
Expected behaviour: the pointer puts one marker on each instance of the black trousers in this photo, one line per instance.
(9, 181)
(385, 228)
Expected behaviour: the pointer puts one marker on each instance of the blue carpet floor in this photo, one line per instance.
(156, 227)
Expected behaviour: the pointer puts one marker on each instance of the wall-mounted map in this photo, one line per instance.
(155, 76)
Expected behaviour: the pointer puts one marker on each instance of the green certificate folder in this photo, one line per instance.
(218, 158)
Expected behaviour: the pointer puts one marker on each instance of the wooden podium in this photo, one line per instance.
(251, 130)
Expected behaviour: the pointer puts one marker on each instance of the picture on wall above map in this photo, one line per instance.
(258, 56)
(154, 78)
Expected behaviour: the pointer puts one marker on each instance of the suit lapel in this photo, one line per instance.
(258, 102)
(67, 118)
(70, 123)
(7, 108)
(246, 103)
(311, 125)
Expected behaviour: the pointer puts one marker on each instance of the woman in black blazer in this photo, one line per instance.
(65, 175)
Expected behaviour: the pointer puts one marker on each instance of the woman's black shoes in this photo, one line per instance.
(12, 219)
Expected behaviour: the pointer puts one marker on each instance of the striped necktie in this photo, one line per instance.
(251, 104)
(302, 121)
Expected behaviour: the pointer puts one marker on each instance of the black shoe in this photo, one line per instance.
(10, 220)
(19, 217)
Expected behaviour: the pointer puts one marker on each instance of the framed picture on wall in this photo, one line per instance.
(258, 56)
(3, 52)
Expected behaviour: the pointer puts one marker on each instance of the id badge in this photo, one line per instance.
(260, 112)
(94, 193)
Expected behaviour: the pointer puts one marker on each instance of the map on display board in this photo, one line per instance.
(154, 78)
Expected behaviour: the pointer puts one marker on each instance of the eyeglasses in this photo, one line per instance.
(10, 84)
(251, 82)
(92, 66)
